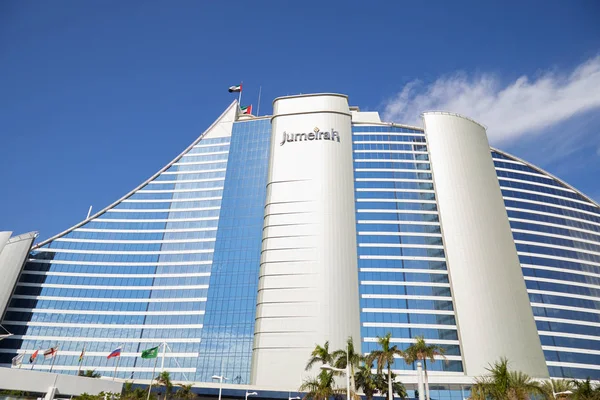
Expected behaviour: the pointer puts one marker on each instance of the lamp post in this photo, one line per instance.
(250, 394)
(346, 371)
(221, 378)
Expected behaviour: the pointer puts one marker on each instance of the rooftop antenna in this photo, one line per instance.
(258, 108)
(89, 213)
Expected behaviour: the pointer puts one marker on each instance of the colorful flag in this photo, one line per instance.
(18, 360)
(115, 353)
(51, 352)
(235, 89)
(34, 356)
(150, 353)
(247, 109)
(82, 354)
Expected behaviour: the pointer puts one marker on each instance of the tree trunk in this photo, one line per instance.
(426, 380)
(390, 386)
(352, 382)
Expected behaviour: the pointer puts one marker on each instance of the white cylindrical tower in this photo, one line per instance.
(493, 311)
(308, 286)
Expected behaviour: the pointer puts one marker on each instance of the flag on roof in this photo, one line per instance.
(150, 353)
(235, 89)
(247, 109)
(18, 360)
(115, 353)
(51, 352)
(34, 356)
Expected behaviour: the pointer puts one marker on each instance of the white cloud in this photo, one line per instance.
(525, 106)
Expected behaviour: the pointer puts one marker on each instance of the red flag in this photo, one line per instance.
(33, 356)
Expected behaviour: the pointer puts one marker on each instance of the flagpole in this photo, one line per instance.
(81, 361)
(152, 378)
(162, 363)
(35, 359)
(54, 359)
(116, 366)
(258, 109)
(118, 361)
(177, 362)
(240, 95)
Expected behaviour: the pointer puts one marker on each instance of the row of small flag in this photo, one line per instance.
(53, 351)
(238, 89)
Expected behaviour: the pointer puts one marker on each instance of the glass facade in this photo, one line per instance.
(228, 331)
(169, 263)
(557, 234)
(177, 261)
(404, 287)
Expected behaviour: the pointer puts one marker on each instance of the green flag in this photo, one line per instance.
(150, 353)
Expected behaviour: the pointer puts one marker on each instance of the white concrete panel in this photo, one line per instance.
(272, 269)
(309, 240)
(283, 230)
(290, 217)
(66, 385)
(286, 242)
(225, 125)
(289, 295)
(492, 307)
(12, 258)
(365, 117)
(285, 341)
(278, 208)
(284, 281)
(4, 236)
(282, 310)
(283, 255)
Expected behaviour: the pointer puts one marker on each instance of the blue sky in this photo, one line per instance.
(96, 96)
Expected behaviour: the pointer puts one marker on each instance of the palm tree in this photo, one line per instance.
(319, 388)
(164, 379)
(503, 384)
(365, 381)
(185, 392)
(341, 358)
(385, 357)
(552, 386)
(127, 390)
(585, 390)
(398, 388)
(321, 355)
(90, 373)
(420, 350)
(129, 393)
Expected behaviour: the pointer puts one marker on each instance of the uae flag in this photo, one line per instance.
(150, 353)
(247, 109)
(51, 352)
(34, 356)
(235, 89)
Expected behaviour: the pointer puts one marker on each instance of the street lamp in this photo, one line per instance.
(346, 371)
(250, 394)
(221, 378)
